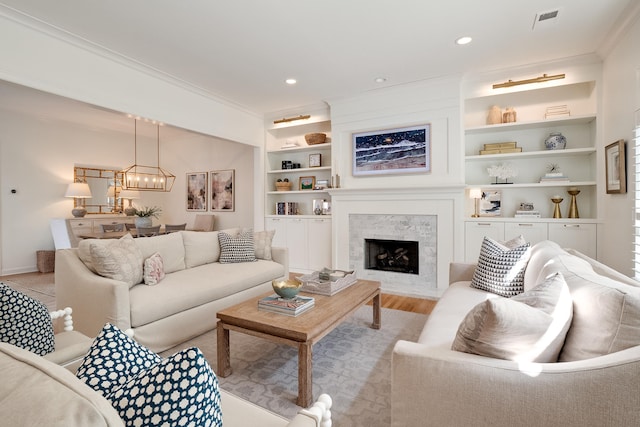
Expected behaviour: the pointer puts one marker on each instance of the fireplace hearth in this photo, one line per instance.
(399, 256)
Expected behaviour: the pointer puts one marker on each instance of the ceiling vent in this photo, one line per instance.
(545, 19)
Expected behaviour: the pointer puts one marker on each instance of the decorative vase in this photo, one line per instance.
(555, 141)
(509, 115)
(495, 115)
(573, 207)
(143, 222)
(556, 210)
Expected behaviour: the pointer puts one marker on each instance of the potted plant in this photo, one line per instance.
(144, 214)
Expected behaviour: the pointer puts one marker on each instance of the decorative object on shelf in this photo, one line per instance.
(402, 150)
(317, 206)
(501, 148)
(289, 143)
(616, 167)
(495, 115)
(540, 79)
(130, 195)
(78, 191)
(287, 208)
(555, 141)
(146, 178)
(527, 211)
(502, 171)
(283, 184)
(315, 138)
(144, 215)
(509, 115)
(315, 160)
(307, 183)
(476, 195)
(556, 209)
(286, 289)
(291, 119)
(222, 190)
(553, 174)
(321, 184)
(326, 208)
(335, 181)
(197, 191)
(556, 111)
(573, 206)
(490, 203)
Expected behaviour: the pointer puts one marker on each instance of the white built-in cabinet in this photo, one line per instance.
(577, 161)
(305, 234)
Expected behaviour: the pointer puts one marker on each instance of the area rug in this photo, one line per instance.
(352, 364)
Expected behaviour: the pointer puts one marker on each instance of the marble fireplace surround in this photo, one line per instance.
(436, 207)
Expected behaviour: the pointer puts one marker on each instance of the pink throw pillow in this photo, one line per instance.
(153, 271)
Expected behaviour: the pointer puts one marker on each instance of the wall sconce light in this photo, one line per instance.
(78, 191)
(476, 195)
(291, 119)
(129, 195)
(541, 79)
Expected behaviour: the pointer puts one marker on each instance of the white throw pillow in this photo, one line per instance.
(500, 269)
(530, 327)
(119, 260)
(262, 241)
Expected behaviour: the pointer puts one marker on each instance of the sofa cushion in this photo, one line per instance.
(84, 250)
(169, 246)
(529, 327)
(153, 270)
(119, 260)
(236, 249)
(262, 241)
(180, 390)
(112, 359)
(25, 322)
(200, 247)
(501, 269)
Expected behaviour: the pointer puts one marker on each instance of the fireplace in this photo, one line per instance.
(400, 256)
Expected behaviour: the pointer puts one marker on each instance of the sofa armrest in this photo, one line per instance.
(436, 387)
(461, 272)
(281, 256)
(96, 300)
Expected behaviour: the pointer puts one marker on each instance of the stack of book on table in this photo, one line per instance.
(554, 177)
(290, 307)
(527, 214)
(501, 148)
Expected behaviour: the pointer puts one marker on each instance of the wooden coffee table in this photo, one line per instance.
(302, 331)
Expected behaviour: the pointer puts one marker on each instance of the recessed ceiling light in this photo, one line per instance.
(463, 40)
(291, 81)
(380, 79)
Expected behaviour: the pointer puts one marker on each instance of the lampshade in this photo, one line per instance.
(129, 194)
(475, 193)
(78, 190)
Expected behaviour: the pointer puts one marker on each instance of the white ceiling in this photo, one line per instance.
(243, 50)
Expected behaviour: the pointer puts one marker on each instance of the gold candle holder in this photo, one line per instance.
(556, 210)
(573, 206)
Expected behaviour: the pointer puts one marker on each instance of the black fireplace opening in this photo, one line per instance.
(400, 256)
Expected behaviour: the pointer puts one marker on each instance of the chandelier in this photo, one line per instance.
(146, 178)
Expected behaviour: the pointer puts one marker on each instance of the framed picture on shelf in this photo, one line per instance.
(197, 191)
(616, 165)
(321, 184)
(222, 190)
(393, 151)
(490, 203)
(307, 183)
(315, 160)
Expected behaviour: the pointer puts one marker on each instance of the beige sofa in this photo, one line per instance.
(37, 392)
(181, 306)
(433, 385)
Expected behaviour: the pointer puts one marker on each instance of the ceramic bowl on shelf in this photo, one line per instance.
(286, 289)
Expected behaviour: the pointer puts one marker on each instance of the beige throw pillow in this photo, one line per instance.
(262, 241)
(119, 260)
(530, 327)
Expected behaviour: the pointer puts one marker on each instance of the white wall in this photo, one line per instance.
(37, 157)
(621, 88)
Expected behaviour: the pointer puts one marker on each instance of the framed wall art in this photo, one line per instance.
(490, 203)
(222, 184)
(393, 151)
(307, 182)
(616, 165)
(197, 191)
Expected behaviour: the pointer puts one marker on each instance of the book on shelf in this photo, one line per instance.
(501, 151)
(500, 145)
(286, 208)
(554, 179)
(527, 214)
(290, 307)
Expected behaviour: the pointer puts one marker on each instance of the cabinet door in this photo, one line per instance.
(319, 241)
(475, 232)
(581, 237)
(533, 232)
(280, 236)
(297, 242)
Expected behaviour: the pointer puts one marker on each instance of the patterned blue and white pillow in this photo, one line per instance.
(500, 269)
(25, 322)
(182, 390)
(112, 359)
(237, 249)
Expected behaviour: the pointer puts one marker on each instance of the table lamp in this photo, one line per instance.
(476, 195)
(129, 195)
(78, 190)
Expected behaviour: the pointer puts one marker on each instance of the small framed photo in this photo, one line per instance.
(315, 160)
(321, 184)
(616, 166)
(307, 182)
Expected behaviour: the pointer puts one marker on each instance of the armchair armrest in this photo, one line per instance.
(436, 386)
(65, 313)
